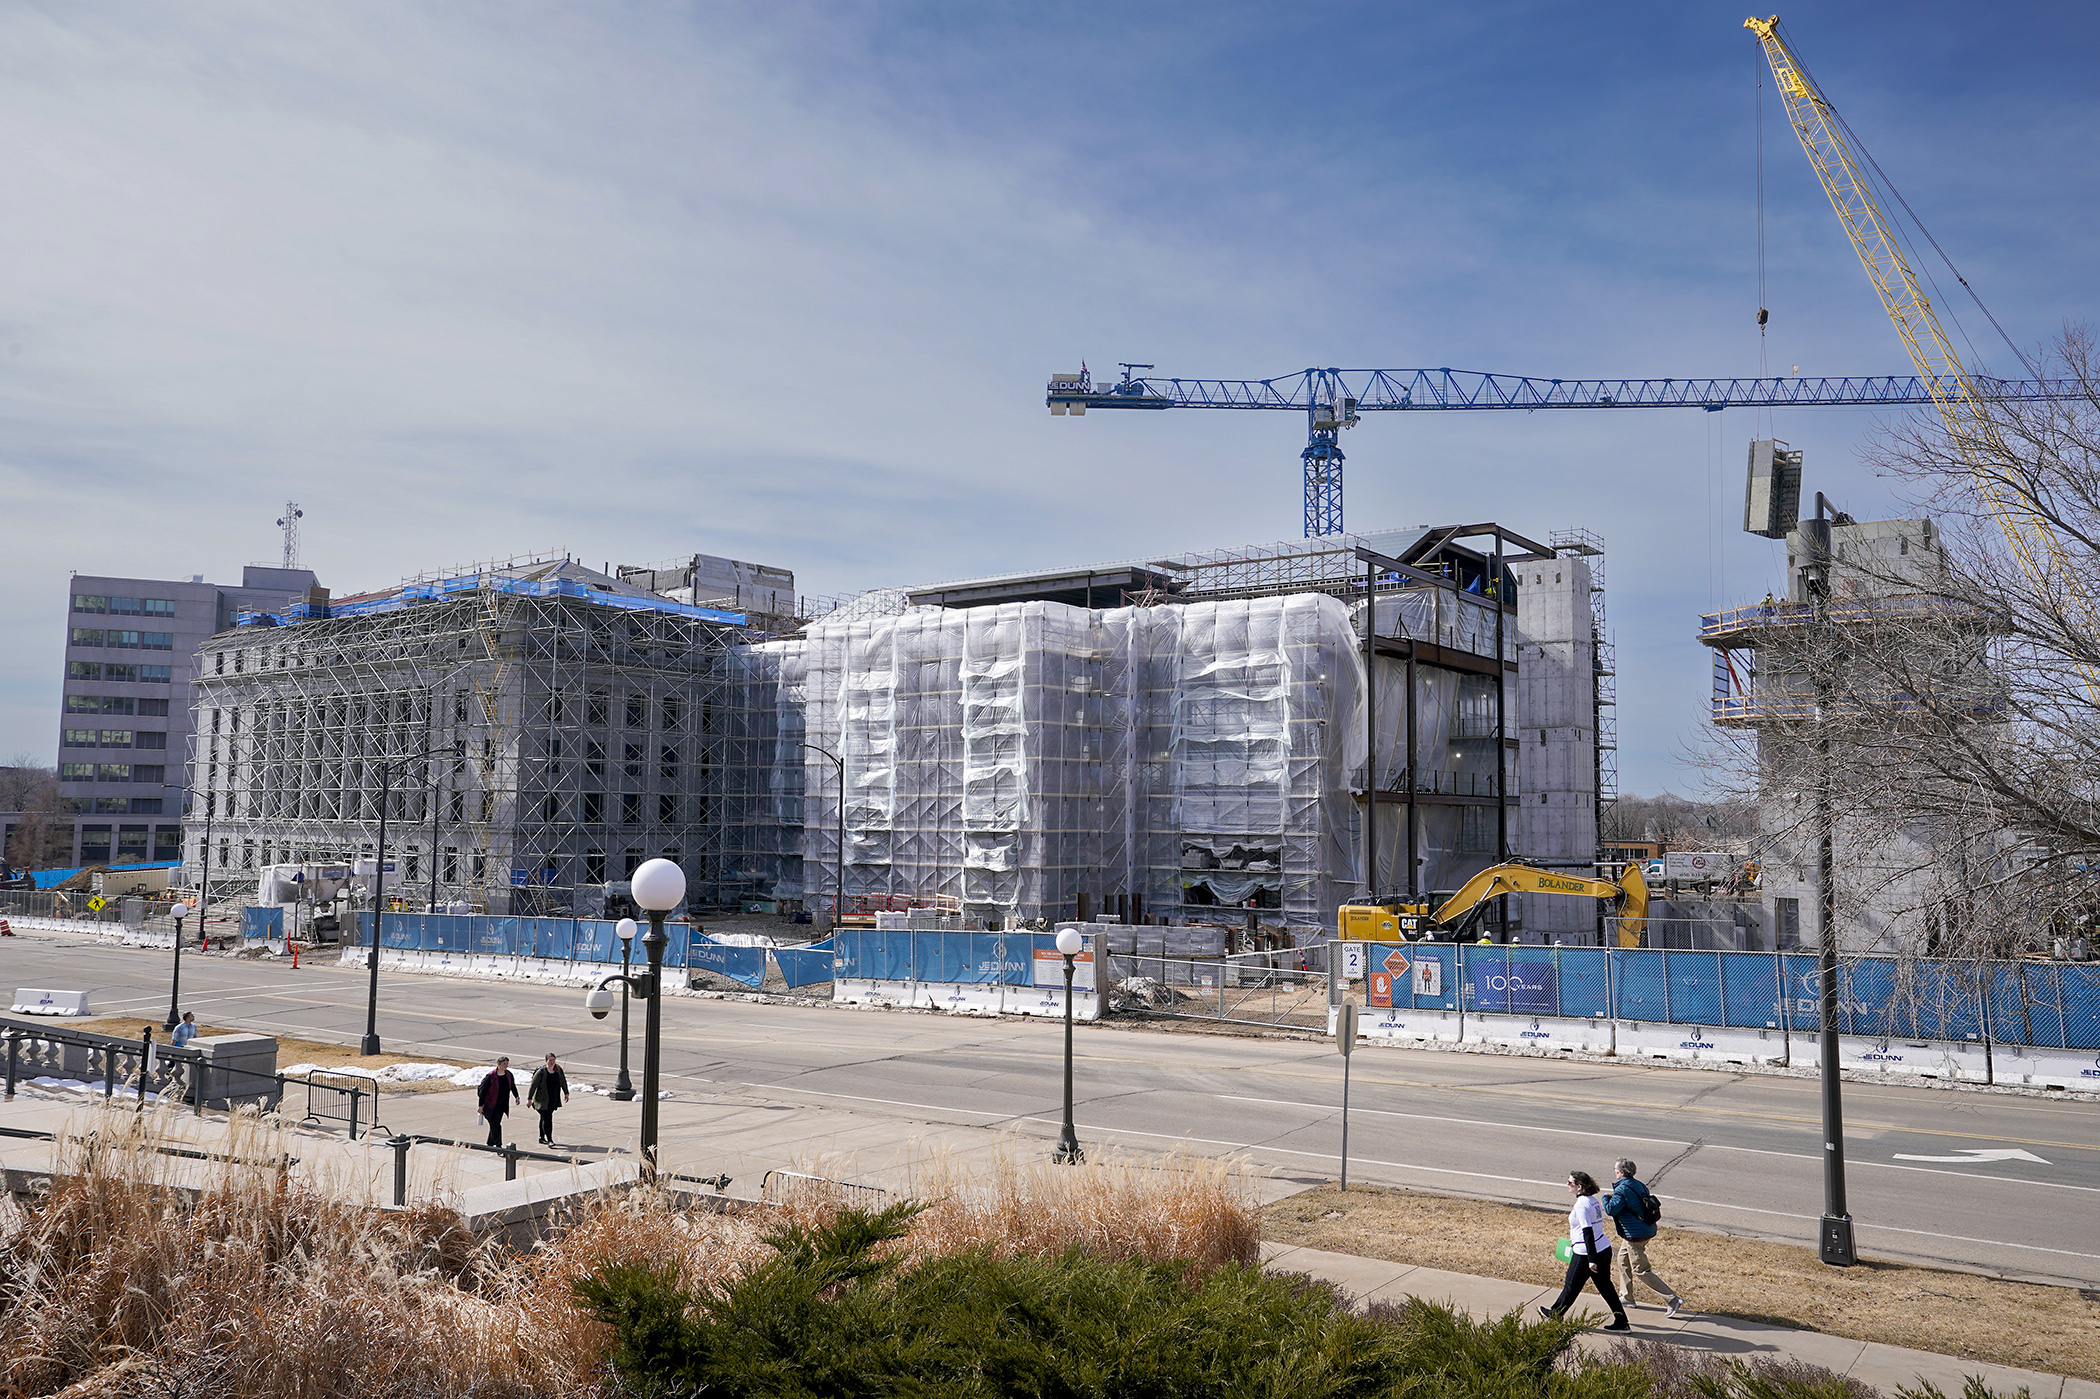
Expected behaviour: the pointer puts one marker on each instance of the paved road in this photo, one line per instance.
(1734, 1153)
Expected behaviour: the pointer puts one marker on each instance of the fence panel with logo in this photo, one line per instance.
(1018, 973)
(2037, 1006)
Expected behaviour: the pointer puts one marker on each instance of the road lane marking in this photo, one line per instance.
(1977, 1157)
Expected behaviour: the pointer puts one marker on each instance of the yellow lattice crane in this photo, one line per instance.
(1961, 406)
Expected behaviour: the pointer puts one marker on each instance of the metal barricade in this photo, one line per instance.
(338, 1102)
(791, 1184)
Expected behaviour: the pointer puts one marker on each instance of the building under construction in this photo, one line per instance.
(1276, 729)
(1183, 735)
(529, 729)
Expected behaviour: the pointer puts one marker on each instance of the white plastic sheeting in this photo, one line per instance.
(1015, 756)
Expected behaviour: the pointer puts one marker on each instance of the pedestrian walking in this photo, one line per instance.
(550, 1090)
(498, 1091)
(1589, 1256)
(1634, 1210)
(187, 1030)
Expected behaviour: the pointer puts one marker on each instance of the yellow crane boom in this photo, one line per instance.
(2033, 542)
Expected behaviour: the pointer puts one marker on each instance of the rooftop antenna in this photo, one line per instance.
(290, 525)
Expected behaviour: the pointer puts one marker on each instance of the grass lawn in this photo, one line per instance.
(2053, 1329)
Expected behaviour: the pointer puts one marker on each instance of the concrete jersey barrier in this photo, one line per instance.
(33, 1000)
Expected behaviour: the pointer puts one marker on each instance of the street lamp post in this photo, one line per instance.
(1835, 1236)
(175, 981)
(838, 897)
(203, 908)
(1069, 943)
(623, 1086)
(387, 773)
(656, 888)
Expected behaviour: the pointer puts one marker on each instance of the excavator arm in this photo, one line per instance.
(1630, 893)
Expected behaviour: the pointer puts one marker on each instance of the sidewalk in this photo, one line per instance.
(1885, 1367)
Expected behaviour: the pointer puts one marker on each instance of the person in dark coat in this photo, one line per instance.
(498, 1091)
(550, 1090)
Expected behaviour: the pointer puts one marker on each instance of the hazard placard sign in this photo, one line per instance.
(1381, 993)
(97, 904)
(1396, 962)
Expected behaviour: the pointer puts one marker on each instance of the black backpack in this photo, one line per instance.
(1651, 1207)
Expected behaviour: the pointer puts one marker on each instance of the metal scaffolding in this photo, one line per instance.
(540, 727)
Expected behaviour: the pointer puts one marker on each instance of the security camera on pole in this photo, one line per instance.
(657, 888)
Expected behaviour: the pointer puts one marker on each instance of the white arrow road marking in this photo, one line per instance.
(1977, 1157)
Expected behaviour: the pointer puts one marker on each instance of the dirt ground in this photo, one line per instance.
(289, 1050)
(2054, 1329)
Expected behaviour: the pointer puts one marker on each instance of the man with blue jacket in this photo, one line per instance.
(1628, 1207)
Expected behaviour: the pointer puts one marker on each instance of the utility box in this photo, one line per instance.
(1772, 498)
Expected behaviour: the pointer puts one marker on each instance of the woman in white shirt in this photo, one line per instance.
(1589, 1259)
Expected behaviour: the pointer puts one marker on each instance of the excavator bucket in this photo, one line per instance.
(1633, 906)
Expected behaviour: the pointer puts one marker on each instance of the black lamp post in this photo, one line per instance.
(657, 887)
(203, 907)
(623, 1086)
(1835, 1236)
(175, 982)
(1069, 943)
(838, 897)
(387, 772)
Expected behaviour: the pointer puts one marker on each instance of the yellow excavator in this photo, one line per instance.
(1400, 921)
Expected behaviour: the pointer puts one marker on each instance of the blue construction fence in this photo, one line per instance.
(591, 940)
(2046, 1004)
(981, 959)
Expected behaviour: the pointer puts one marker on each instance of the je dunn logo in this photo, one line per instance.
(1880, 1053)
(1534, 1033)
(1696, 1041)
(2093, 1072)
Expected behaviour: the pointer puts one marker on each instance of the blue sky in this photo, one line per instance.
(784, 281)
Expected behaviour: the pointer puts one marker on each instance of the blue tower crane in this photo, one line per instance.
(1334, 399)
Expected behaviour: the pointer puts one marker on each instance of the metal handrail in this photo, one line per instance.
(512, 1154)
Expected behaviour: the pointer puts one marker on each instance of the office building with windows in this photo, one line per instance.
(124, 727)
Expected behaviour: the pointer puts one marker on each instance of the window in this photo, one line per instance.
(89, 602)
(119, 738)
(84, 670)
(594, 813)
(1789, 921)
(452, 864)
(458, 812)
(127, 606)
(76, 806)
(83, 704)
(149, 772)
(669, 766)
(76, 772)
(112, 806)
(167, 840)
(557, 711)
(633, 861)
(94, 845)
(667, 810)
(240, 660)
(594, 866)
(481, 868)
(637, 712)
(113, 772)
(218, 663)
(247, 856)
(414, 866)
(674, 713)
(459, 706)
(630, 808)
(599, 708)
(157, 640)
(152, 708)
(143, 738)
(151, 806)
(634, 760)
(488, 807)
(160, 607)
(550, 808)
(86, 636)
(81, 738)
(132, 843)
(146, 674)
(594, 757)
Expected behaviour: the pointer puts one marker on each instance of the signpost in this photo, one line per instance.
(1345, 1040)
